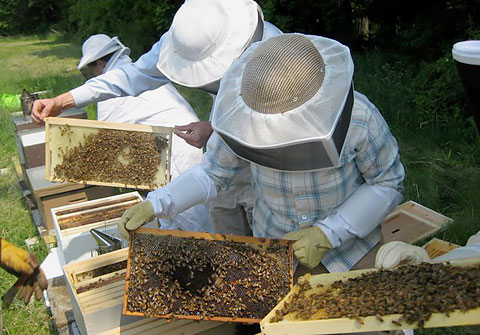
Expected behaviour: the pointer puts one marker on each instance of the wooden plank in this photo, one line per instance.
(56, 145)
(370, 323)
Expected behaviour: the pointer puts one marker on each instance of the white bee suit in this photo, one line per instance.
(163, 106)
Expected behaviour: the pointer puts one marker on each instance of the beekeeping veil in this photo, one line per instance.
(286, 103)
(98, 46)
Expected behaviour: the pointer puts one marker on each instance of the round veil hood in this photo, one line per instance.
(205, 37)
(286, 102)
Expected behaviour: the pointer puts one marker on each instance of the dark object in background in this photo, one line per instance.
(467, 60)
(27, 100)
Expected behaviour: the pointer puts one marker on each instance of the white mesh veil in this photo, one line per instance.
(289, 90)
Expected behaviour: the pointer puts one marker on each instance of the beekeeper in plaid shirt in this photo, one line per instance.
(326, 168)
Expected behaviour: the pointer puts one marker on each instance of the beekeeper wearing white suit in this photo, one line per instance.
(163, 106)
(195, 52)
(199, 58)
(325, 166)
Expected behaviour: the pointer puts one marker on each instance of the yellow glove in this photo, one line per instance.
(15, 259)
(19, 262)
(311, 245)
(135, 217)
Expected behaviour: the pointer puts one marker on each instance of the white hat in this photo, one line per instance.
(205, 37)
(98, 46)
(467, 52)
(286, 102)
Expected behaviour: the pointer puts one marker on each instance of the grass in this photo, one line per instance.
(442, 166)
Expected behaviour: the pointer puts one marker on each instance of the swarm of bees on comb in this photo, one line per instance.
(178, 276)
(414, 291)
(112, 156)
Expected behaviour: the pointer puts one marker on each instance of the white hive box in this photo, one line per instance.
(72, 224)
(96, 289)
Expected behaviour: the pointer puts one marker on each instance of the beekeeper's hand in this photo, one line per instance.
(397, 253)
(195, 133)
(43, 108)
(311, 245)
(135, 217)
(19, 262)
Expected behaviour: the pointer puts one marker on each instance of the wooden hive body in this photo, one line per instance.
(73, 223)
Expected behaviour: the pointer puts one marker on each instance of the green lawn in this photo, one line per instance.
(443, 170)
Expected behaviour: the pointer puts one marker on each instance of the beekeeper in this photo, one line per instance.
(19, 262)
(163, 106)
(195, 52)
(397, 253)
(325, 166)
(199, 58)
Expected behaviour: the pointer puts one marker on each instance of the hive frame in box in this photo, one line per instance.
(370, 323)
(83, 127)
(411, 222)
(205, 236)
(76, 243)
(437, 247)
(98, 310)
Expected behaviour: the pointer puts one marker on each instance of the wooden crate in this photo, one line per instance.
(72, 224)
(46, 203)
(436, 247)
(31, 147)
(411, 222)
(63, 134)
(370, 323)
(97, 293)
(183, 238)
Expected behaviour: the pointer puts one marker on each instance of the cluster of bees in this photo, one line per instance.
(94, 216)
(117, 156)
(414, 291)
(176, 277)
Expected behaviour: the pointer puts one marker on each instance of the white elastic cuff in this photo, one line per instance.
(337, 235)
(366, 208)
(190, 188)
(81, 95)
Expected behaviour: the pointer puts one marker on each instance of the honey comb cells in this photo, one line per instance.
(179, 276)
(118, 156)
(414, 291)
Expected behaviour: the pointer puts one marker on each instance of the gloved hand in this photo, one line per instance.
(311, 245)
(395, 253)
(135, 217)
(19, 262)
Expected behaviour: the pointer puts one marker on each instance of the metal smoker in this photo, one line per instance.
(106, 243)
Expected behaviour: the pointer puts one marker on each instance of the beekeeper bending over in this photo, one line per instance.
(196, 52)
(163, 106)
(326, 168)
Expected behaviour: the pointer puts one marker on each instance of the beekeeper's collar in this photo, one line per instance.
(286, 103)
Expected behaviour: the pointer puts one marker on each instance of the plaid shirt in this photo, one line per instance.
(288, 201)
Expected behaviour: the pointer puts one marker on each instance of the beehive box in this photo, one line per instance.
(73, 223)
(107, 153)
(411, 222)
(277, 322)
(437, 247)
(96, 289)
(196, 276)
